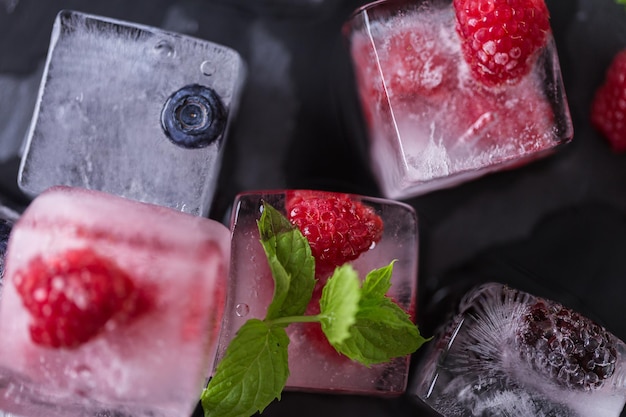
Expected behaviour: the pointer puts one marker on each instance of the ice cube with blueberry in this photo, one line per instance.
(132, 110)
(368, 233)
(507, 352)
(110, 307)
(439, 112)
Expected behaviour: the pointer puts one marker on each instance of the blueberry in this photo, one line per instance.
(193, 117)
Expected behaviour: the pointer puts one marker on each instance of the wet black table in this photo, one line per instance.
(556, 227)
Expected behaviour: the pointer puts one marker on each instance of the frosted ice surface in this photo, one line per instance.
(153, 365)
(509, 353)
(98, 117)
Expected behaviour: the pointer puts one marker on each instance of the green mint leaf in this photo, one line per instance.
(377, 282)
(381, 329)
(290, 260)
(339, 304)
(252, 373)
(381, 333)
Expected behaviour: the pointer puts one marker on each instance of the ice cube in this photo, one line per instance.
(110, 307)
(430, 123)
(511, 353)
(133, 111)
(314, 365)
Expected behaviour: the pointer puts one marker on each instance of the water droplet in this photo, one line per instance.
(165, 48)
(207, 68)
(242, 310)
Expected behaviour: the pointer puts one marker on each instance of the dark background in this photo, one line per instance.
(556, 228)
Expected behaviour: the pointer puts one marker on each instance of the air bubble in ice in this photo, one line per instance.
(242, 309)
(165, 48)
(207, 68)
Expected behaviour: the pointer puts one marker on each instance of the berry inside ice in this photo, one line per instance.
(500, 38)
(338, 228)
(73, 295)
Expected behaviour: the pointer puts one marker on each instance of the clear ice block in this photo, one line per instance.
(132, 110)
(509, 353)
(314, 365)
(158, 279)
(429, 124)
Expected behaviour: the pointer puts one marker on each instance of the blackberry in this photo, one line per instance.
(572, 350)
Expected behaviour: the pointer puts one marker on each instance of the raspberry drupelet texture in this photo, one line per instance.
(500, 38)
(72, 296)
(338, 228)
(608, 110)
(566, 346)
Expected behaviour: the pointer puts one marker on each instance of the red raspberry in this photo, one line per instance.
(338, 228)
(413, 62)
(73, 295)
(608, 110)
(416, 63)
(500, 38)
(503, 124)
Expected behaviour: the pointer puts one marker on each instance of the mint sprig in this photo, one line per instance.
(252, 374)
(291, 263)
(358, 320)
(381, 329)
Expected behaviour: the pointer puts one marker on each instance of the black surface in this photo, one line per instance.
(556, 227)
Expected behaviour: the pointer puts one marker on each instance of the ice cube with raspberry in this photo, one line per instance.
(109, 307)
(341, 228)
(508, 352)
(451, 91)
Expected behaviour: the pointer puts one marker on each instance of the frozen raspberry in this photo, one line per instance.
(414, 62)
(73, 295)
(338, 228)
(567, 347)
(416, 65)
(608, 110)
(518, 119)
(500, 38)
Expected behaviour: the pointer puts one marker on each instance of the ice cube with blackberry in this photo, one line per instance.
(507, 352)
